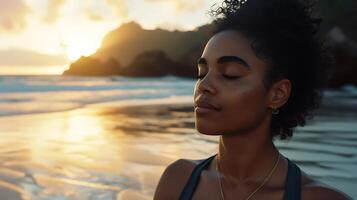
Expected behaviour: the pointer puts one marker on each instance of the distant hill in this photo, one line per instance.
(340, 13)
(127, 41)
(89, 66)
(124, 45)
(133, 51)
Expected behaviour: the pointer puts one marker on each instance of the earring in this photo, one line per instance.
(275, 111)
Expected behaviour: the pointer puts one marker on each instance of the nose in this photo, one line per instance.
(206, 85)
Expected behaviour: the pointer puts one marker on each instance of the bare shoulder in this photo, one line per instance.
(312, 189)
(174, 178)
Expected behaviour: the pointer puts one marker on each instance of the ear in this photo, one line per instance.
(279, 93)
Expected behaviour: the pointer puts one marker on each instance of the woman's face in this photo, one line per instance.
(230, 85)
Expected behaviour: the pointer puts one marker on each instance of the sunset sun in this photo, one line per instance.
(79, 45)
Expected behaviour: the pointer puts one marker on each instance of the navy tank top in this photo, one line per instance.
(292, 186)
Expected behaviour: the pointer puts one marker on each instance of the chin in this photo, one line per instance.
(207, 129)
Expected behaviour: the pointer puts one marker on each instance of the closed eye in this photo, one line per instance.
(225, 76)
(231, 77)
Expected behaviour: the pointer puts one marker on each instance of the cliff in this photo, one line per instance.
(132, 51)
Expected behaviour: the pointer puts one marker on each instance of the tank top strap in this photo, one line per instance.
(293, 182)
(192, 182)
(292, 186)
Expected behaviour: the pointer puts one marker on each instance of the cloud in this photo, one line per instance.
(53, 8)
(188, 5)
(96, 10)
(93, 15)
(120, 8)
(99, 10)
(24, 57)
(13, 15)
(182, 6)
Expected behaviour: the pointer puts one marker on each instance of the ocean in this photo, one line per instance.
(38, 94)
(64, 137)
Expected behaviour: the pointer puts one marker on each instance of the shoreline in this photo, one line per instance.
(114, 104)
(136, 141)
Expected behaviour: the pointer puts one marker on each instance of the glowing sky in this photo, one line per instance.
(44, 36)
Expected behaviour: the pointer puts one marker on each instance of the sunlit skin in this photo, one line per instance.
(231, 79)
(234, 85)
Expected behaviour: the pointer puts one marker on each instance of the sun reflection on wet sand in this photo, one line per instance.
(87, 153)
(77, 140)
(62, 149)
(81, 127)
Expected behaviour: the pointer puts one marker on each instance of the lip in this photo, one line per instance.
(204, 107)
(200, 110)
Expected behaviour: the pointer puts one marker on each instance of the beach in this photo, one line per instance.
(95, 152)
(118, 149)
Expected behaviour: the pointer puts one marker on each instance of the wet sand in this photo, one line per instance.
(112, 152)
(93, 152)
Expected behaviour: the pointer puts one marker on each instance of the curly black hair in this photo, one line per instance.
(285, 34)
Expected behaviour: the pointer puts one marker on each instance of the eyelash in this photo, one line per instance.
(231, 77)
(225, 76)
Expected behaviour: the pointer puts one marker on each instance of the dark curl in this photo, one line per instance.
(286, 35)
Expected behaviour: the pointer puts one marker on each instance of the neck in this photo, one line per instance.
(249, 156)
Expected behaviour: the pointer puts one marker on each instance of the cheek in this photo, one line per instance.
(244, 109)
(245, 105)
(246, 99)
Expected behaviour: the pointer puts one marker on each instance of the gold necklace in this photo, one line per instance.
(258, 188)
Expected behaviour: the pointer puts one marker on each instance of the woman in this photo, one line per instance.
(260, 75)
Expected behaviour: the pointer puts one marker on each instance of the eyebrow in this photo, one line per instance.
(225, 59)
